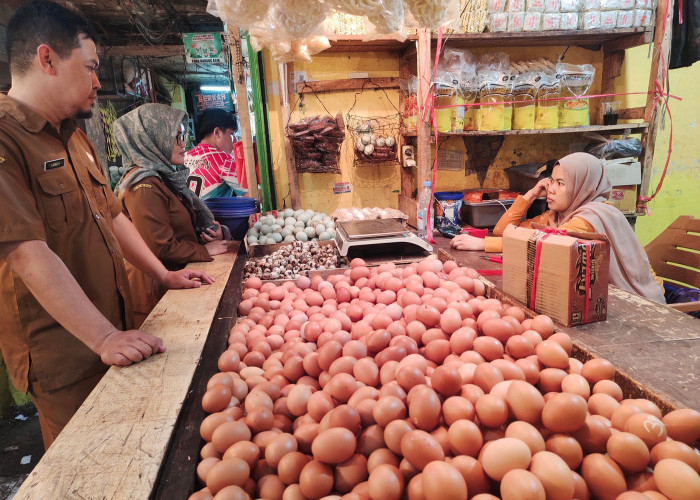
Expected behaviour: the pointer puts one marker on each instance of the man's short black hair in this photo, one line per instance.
(43, 22)
(210, 119)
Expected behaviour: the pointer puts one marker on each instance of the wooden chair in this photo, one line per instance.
(675, 256)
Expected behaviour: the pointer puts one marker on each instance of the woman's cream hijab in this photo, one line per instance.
(589, 188)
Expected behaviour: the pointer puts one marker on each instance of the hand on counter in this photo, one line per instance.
(467, 242)
(124, 348)
(187, 278)
(217, 247)
(208, 235)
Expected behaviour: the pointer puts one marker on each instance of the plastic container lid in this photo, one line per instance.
(448, 195)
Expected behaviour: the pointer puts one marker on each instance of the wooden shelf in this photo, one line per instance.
(622, 38)
(634, 128)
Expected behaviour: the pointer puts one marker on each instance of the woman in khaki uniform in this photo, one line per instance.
(175, 224)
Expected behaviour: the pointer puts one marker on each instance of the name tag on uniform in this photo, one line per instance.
(51, 164)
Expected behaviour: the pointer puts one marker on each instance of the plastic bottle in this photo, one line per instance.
(423, 206)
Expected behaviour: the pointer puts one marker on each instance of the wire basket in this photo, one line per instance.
(375, 139)
(316, 142)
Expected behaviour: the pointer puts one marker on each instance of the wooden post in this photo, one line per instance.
(239, 81)
(285, 113)
(406, 172)
(612, 68)
(662, 45)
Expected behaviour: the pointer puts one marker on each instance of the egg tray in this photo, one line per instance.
(265, 250)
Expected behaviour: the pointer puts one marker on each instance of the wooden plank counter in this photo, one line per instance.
(114, 445)
(654, 347)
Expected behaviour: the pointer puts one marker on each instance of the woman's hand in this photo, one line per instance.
(208, 235)
(539, 190)
(217, 247)
(467, 242)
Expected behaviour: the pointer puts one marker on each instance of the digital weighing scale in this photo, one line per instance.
(375, 232)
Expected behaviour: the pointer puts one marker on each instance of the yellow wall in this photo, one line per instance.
(680, 192)
(370, 186)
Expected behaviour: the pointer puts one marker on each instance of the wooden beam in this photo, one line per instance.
(406, 173)
(113, 446)
(631, 113)
(142, 50)
(347, 84)
(285, 112)
(662, 45)
(239, 80)
(424, 77)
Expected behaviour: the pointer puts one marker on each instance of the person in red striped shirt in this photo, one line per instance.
(211, 163)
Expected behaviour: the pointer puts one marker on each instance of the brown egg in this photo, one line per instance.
(486, 376)
(424, 409)
(554, 474)
(388, 408)
(350, 473)
(334, 445)
(603, 476)
(543, 325)
(520, 484)
(528, 434)
(552, 355)
(442, 481)
(498, 328)
(342, 386)
(208, 451)
(211, 422)
(472, 472)
(279, 447)
(650, 429)
(623, 412)
(290, 465)
(503, 455)
(676, 479)
(305, 434)
(270, 486)
(524, 401)
(393, 433)
(567, 448)
(647, 406)
(204, 467)
(489, 347)
(629, 451)
(593, 434)
(519, 346)
(414, 490)
(564, 412)
(675, 449)
(457, 408)
(216, 398)
(420, 448)
(580, 487)
(465, 438)
(245, 450)
(232, 471)
(683, 425)
(231, 492)
(446, 380)
(602, 404)
(491, 411)
(550, 380)
(386, 483)
(316, 479)
(228, 433)
(381, 456)
(370, 439)
(632, 495)
(608, 387)
(576, 384)
(597, 369)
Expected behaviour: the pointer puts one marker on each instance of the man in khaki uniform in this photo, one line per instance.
(64, 295)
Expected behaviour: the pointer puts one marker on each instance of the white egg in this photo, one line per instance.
(381, 142)
(366, 138)
(369, 149)
(301, 236)
(310, 232)
(390, 141)
(290, 221)
(364, 127)
(320, 228)
(277, 237)
(276, 228)
(257, 225)
(289, 212)
(360, 146)
(252, 238)
(289, 238)
(265, 229)
(324, 236)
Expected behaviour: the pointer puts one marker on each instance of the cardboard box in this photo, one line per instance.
(624, 198)
(623, 172)
(562, 276)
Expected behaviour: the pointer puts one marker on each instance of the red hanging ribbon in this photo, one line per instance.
(588, 279)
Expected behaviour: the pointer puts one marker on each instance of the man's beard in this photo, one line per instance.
(83, 114)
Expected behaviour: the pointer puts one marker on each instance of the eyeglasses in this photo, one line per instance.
(181, 137)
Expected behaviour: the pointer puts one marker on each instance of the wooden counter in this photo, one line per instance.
(653, 346)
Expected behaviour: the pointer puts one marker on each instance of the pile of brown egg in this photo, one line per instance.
(406, 382)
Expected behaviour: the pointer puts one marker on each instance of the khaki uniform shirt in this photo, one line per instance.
(167, 227)
(52, 189)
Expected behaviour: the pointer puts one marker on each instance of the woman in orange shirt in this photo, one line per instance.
(577, 195)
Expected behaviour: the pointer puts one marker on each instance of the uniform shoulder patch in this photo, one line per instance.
(142, 185)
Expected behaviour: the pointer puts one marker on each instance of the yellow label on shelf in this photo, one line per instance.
(546, 117)
(524, 117)
(574, 113)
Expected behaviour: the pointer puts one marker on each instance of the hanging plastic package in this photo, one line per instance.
(508, 106)
(547, 111)
(446, 91)
(470, 90)
(524, 94)
(575, 83)
(492, 91)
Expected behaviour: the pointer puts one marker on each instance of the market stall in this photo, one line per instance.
(138, 434)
